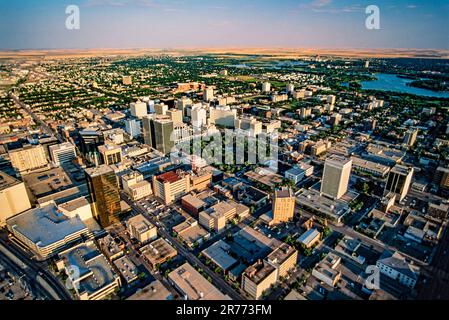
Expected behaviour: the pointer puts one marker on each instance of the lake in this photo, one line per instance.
(391, 82)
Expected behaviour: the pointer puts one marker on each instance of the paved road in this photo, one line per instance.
(377, 245)
(190, 257)
(33, 269)
(34, 286)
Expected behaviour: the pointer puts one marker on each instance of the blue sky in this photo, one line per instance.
(32, 24)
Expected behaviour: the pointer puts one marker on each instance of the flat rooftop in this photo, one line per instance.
(158, 250)
(6, 181)
(140, 223)
(283, 193)
(337, 160)
(46, 226)
(218, 254)
(127, 268)
(259, 271)
(154, 291)
(169, 177)
(281, 254)
(98, 171)
(193, 201)
(48, 182)
(191, 283)
(74, 204)
(94, 269)
(308, 236)
(314, 200)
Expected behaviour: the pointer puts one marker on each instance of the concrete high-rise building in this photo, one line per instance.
(28, 158)
(199, 116)
(63, 153)
(290, 88)
(335, 119)
(161, 109)
(135, 186)
(133, 127)
(441, 177)
(151, 105)
(138, 109)
(141, 229)
(367, 64)
(251, 125)
(176, 116)
(399, 181)
(171, 186)
(105, 194)
(223, 116)
(305, 113)
(182, 105)
(266, 87)
(158, 133)
(337, 170)
(283, 206)
(331, 99)
(111, 154)
(208, 94)
(410, 137)
(13, 197)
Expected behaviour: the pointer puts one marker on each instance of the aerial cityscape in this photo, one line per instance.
(244, 171)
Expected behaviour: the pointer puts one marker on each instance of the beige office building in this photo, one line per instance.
(283, 258)
(135, 186)
(28, 158)
(258, 278)
(13, 197)
(192, 285)
(141, 229)
(283, 206)
(171, 186)
(399, 181)
(176, 116)
(111, 154)
(337, 170)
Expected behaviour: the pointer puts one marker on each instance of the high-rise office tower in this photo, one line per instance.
(13, 197)
(63, 153)
(158, 133)
(133, 127)
(399, 180)
(283, 206)
(266, 87)
(105, 194)
(111, 154)
(208, 94)
(138, 109)
(199, 116)
(161, 109)
(410, 137)
(182, 104)
(337, 170)
(176, 116)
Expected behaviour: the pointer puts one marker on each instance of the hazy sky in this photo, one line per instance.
(40, 24)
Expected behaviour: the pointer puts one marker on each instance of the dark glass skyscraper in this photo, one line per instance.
(105, 194)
